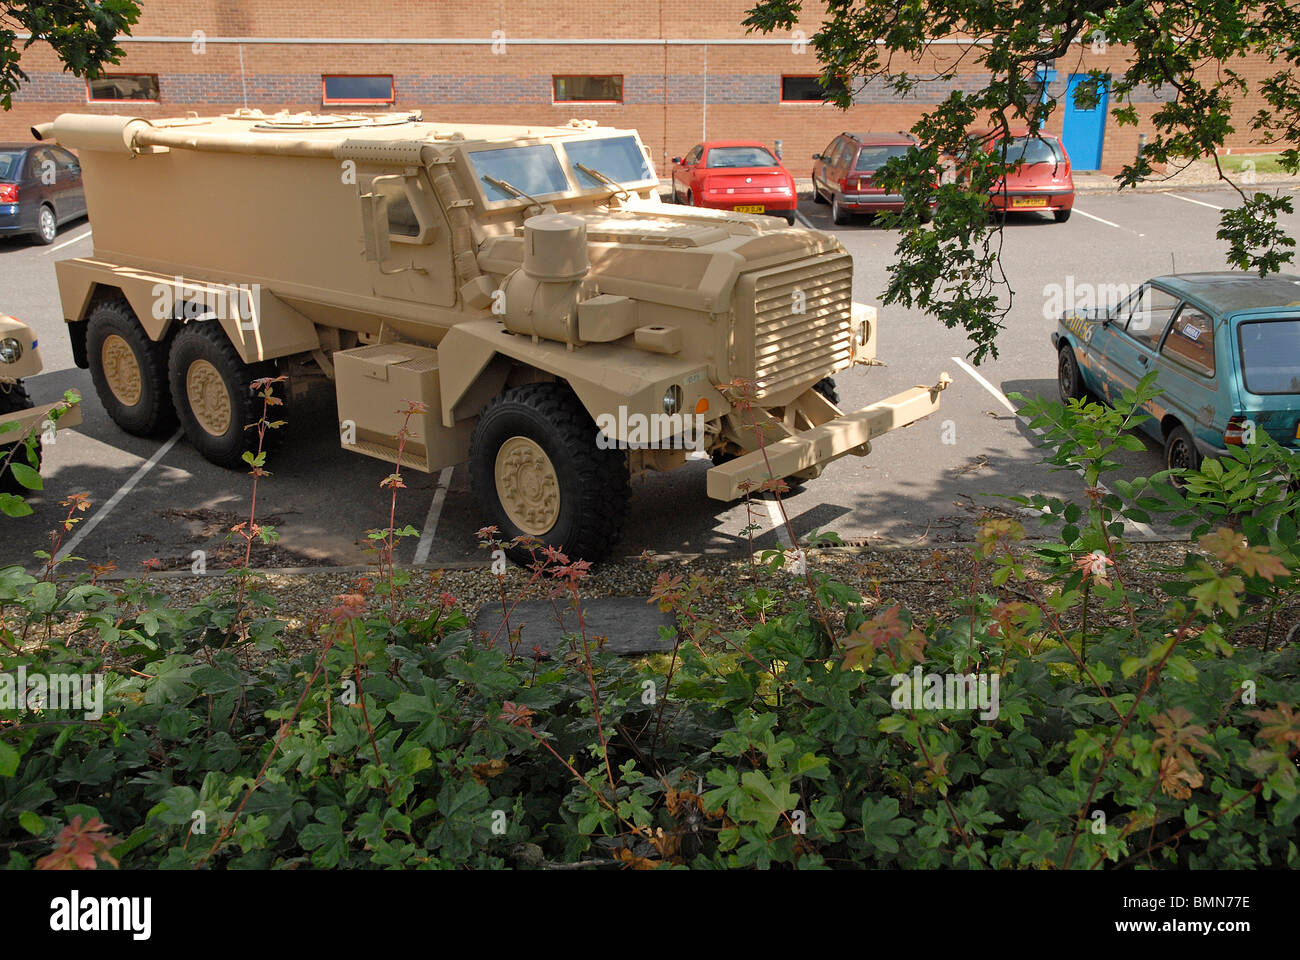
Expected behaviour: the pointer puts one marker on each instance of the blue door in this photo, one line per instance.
(1084, 129)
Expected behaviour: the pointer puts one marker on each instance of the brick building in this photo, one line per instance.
(677, 71)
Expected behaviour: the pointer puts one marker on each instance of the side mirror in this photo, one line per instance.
(818, 156)
(677, 160)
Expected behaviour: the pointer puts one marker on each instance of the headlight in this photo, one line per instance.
(673, 400)
(10, 350)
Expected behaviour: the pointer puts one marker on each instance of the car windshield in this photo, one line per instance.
(873, 158)
(11, 163)
(740, 157)
(1033, 151)
(618, 158)
(1270, 356)
(535, 170)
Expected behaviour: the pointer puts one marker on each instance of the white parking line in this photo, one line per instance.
(1085, 213)
(1199, 203)
(84, 529)
(798, 215)
(1142, 529)
(435, 511)
(65, 243)
(778, 521)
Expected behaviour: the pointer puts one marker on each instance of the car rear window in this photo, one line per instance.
(740, 157)
(11, 164)
(1270, 356)
(873, 158)
(1033, 151)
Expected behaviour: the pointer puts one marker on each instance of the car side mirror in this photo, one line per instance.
(818, 156)
(677, 160)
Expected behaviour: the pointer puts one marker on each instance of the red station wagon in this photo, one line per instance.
(1042, 183)
(740, 175)
(844, 172)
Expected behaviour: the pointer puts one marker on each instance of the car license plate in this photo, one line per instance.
(751, 208)
(1028, 201)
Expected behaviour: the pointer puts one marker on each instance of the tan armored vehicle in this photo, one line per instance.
(20, 357)
(565, 329)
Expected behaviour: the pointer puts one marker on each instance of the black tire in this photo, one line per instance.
(690, 199)
(828, 389)
(1180, 450)
(151, 412)
(204, 340)
(13, 398)
(592, 484)
(788, 217)
(839, 215)
(1061, 215)
(47, 226)
(1069, 381)
(817, 196)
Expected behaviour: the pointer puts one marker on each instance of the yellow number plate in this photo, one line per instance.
(751, 208)
(1297, 431)
(1029, 201)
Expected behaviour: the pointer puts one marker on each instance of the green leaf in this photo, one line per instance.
(26, 476)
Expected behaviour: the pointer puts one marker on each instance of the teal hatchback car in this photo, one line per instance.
(1225, 348)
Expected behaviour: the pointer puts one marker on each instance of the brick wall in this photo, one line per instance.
(675, 93)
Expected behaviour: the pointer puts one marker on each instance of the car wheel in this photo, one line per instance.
(690, 199)
(13, 399)
(1068, 378)
(47, 228)
(1061, 215)
(839, 215)
(210, 387)
(537, 471)
(817, 196)
(1180, 450)
(788, 217)
(128, 369)
(827, 388)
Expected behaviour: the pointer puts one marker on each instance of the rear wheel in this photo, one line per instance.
(13, 399)
(210, 386)
(128, 369)
(47, 227)
(788, 217)
(1061, 215)
(839, 215)
(1180, 450)
(828, 389)
(538, 472)
(690, 199)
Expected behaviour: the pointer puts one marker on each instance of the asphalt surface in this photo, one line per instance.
(924, 485)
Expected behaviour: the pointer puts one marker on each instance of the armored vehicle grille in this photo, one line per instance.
(794, 348)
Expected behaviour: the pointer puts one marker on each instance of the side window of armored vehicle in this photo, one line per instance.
(402, 221)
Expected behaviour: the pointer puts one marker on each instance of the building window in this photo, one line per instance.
(807, 89)
(123, 86)
(349, 89)
(588, 89)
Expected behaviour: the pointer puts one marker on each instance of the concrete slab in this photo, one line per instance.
(629, 625)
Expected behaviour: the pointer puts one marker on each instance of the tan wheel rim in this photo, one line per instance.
(527, 486)
(121, 370)
(209, 399)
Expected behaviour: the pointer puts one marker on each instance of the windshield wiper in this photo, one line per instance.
(595, 174)
(509, 187)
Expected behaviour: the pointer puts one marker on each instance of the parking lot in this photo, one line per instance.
(927, 484)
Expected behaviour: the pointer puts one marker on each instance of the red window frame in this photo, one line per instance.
(91, 98)
(799, 76)
(555, 78)
(355, 101)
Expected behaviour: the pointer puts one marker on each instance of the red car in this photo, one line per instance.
(843, 175)
(740, 175)
(1042, 182)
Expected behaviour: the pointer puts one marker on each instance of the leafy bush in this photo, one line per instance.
(1120, 726)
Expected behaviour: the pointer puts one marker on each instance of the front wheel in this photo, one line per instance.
(537, 472)
(1068, 379)
(14, 399)
(210, 386)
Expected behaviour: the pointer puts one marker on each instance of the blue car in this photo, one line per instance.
(1225, 348)
(40, 189)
